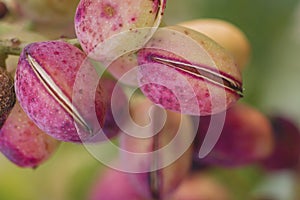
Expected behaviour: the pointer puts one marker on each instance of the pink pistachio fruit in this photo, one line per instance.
(185, 71)
(227, 35)
(97, 21)
(245, 138)
(113, 185)
(158, 170)
(22, 142)
(286, 153)
(46, 88)
(116, 99)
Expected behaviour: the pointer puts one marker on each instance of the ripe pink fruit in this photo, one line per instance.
(113, 185)
(22, 142)
(118, 103)
(246, 137)
(96, 21)
(286, 153)
(44, 85)
(3, 10)
(185, 71)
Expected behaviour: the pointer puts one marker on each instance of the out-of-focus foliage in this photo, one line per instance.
(67, 175)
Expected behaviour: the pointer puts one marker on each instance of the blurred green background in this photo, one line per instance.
(271, 81)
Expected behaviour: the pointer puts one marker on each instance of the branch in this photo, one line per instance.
(73, 42)
(15, 46)
(11, 47)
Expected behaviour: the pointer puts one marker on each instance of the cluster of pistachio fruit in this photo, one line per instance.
(191, 69)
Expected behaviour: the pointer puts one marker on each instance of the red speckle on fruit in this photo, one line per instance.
(108, 11)
(192, 85)
(107, 18)
(61, 62)
(115, 27)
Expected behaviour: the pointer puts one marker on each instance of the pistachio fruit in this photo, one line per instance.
(46, 89)
(185, 71)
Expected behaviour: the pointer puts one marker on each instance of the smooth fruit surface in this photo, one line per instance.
(245, 138)
(286, 151)
(198, 186)
(113, 185)
(116, 99)
(22, 142)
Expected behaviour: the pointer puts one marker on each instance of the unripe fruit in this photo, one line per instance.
(198, 186)
(286, 153)
(22, 142)
(226, 34)
(150, 180)
(7, 95)
(45, 87)
(97, 21)
(246, 137)
(185, 71)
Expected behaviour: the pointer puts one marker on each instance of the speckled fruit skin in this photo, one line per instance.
(61, 61)
(110, 127)
(286, 153)
(160, 82)
(113, 185)
(96, 21)
(169, 177)
(7, 95)
(22, 142)
(246, 138)
(226, 34)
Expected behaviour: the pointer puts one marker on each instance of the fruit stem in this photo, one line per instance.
(155, 178)
(11, 47)
(3, 57)
(73, 42)
(15, 46)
